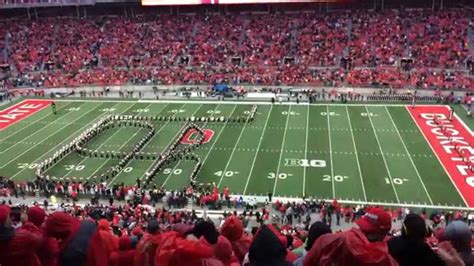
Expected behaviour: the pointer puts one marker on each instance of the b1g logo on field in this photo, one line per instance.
(305, 162)
(189, 137)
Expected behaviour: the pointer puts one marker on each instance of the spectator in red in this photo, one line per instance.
(124, 256)
(410, 248)
(20, 247)
(49, 250)
(223, 252)
(175, 251)
(110, 241)
(80, 243)
(147, 245)
(363, 246)
(233, 230)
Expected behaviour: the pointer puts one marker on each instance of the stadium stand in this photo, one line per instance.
(253, 49)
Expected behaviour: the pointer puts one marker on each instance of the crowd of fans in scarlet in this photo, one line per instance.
(256, 49)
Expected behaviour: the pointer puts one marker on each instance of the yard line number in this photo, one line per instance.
(226, 173)
(280, 175)
(289, 113)
(74, 167)
(27, 165)
(396, 181)
(337, 178)
(168, 171)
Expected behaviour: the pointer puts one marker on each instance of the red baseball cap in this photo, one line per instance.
(375, 220)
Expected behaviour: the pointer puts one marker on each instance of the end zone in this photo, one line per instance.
(452, 144)
(21, 111)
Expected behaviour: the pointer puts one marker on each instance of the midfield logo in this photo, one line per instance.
(305, 162)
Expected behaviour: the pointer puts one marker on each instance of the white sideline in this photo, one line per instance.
(249, 102)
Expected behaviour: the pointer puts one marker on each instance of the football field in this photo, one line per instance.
(354, 153)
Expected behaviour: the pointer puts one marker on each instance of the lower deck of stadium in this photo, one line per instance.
(354, 153)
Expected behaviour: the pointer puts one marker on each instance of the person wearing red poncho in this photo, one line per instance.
(233, 230)
(49, 250)
(356, 247)
(79, 242)
(110, 241)
(124, 256)
(147, 245)
(173, 250)
(18, 248)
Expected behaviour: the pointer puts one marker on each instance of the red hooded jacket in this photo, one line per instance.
(349, 248)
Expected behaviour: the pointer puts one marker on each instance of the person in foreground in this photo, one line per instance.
(18, 247)
(362, 246)
(410, 248)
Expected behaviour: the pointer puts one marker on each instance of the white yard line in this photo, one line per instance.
(59, 145)
(258, 148)
(51, 134)
(356, 153)
(437, 157)
(35, 115)
(306, 150)
(409, 156)
(210, 149)
(232, 154)
(121, 146)
(330, 155)
(45, 129)
(156, 134)
(101, 145)
(383, 156)
(281, 151)
(177, 133)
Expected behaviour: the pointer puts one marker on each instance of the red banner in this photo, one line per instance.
(21, 111)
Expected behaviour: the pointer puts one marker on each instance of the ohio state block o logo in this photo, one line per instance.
(188, 137)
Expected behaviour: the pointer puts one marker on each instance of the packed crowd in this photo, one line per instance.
(140, 234)
(153, 227)
(265, 49)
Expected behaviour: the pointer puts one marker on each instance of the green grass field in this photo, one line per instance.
(355, 153)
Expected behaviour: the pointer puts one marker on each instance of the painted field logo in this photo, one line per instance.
(21, 111)
(305, 162)
(189, 138)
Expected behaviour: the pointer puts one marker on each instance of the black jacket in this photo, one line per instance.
(410, 251)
